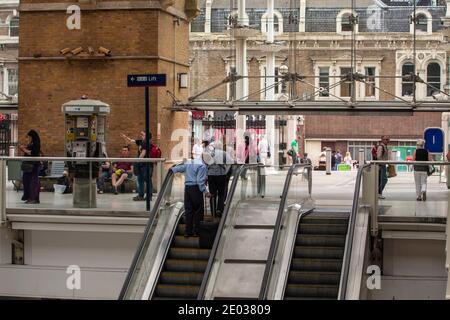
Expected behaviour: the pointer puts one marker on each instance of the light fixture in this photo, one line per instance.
(183, 80)
(64, 51)
(76, 51)
(104, 51)
(283, 69)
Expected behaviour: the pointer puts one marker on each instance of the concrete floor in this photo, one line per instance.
(335, 190)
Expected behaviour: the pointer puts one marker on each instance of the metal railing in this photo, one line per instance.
(275, 238)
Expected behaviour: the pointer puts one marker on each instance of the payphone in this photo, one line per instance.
(85, 126)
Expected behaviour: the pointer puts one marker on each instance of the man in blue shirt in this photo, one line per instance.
(195, 172)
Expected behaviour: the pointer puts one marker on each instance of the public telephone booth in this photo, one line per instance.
(85, 127)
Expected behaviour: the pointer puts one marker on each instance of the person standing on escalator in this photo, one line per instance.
(195, 172)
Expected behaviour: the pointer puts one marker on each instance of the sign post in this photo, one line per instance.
(146, 81)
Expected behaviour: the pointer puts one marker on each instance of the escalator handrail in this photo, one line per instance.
(151, 220)
(277, 228)
(226, 210)
(350, 232)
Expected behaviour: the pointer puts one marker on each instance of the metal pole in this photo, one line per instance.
(2, 192)
(90, 185)
(361, 157)
(328, 161)
(147, 147)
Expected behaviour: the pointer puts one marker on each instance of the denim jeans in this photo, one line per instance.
(382, 178)
(141, 181)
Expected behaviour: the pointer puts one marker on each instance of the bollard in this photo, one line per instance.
(12, 151)
(2, 192)
(328, 157)
(361, 157)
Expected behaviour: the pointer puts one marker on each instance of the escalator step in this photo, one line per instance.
(314, 277)
(185, 265)
(184, 278)
(321, 240)
(312, 290)
(324, 220)
(318, 252)
(182, 242)
(189, 253)
(327, 229)
(176, 291)
(302, 264)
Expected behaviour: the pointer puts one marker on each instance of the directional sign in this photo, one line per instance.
(434, 140)
(146, 80)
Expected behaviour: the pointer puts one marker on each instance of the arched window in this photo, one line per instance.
(433, 78)
(407, 81)
(277, 22)
(14, 27)
(346, 25)
(421, 23)
(346, 21)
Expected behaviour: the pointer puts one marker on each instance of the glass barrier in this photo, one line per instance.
(111, 184)
(169, 203)
(295, 199)
(419, 191)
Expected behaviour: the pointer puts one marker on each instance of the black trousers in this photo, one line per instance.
(218, 190)
(193, 206)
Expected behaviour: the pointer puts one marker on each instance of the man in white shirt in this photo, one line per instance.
(263, 149)
(197, 149)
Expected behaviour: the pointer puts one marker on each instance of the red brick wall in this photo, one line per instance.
(45, 85)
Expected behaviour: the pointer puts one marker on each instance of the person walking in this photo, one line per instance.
(195, 172)
(31, 185)
(382, 155)
(421, 171)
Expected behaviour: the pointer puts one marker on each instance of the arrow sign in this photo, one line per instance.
(434, 140)
(146, 80)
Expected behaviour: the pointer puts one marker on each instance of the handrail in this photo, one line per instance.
(152, 217)
(225, 213)
(350, 231)
(430, 163)
(277, 228)
(74, 159)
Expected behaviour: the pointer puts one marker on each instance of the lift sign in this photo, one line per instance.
(434, 140)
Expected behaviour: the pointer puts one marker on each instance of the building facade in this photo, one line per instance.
(66, 52)
(315, 41)
(9, 43)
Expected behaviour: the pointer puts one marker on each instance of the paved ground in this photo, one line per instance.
(335, 190)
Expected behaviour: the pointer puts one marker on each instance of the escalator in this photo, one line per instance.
(316, 264)
(183, 269)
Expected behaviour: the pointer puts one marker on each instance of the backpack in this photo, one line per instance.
(155, 152)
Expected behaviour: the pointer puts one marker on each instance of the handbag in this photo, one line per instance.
(27, 167)
(431, 170)
(391, 171)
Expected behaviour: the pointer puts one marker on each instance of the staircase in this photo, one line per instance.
(184, 268)
(316, 264)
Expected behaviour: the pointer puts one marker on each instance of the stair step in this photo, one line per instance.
(185, 265)
(326, 229)
(325, 219)
(311, 290)
(318, 252)
(307, 264)
(321, 240)
(189, 253)
(183, 278)
(314, 277)
(176, 291)
(182, 242)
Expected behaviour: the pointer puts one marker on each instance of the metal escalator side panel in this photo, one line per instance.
(286, 245)
(158, 249)
(211, 271)
(128, 290)
(359, 256)
(346, 260)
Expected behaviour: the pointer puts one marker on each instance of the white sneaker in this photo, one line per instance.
(381, 197)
